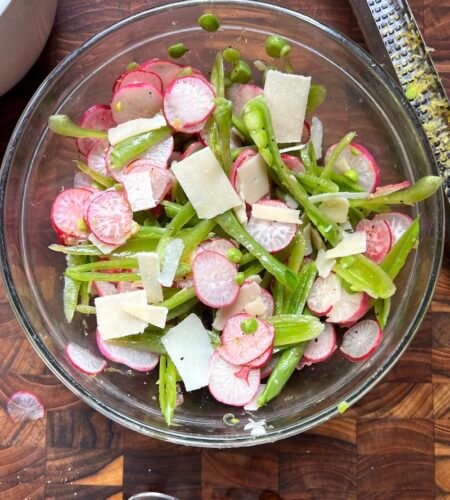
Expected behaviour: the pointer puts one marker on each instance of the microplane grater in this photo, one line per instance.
(394, 39)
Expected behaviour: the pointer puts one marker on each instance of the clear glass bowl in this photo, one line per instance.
(38, 163)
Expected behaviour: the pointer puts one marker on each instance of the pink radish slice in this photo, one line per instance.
(267, 298)
(96, 157)
(23, 406)
(162, 180)
(105, 288)
(175, 156)
(84, 360)
(192, 148)
(166, 70)
(322, 347)
(240, 348)
(261, 360)
(214, 279)
(324, 294)
(267, 369)
(361, 340)
(239, 94)
(184, 283)
(137, 100)
(188, 103)
(378, 238)
(293, 163)
(243, 373)
(273, 236)
(226, 387)
(219, 245)
(98, 117)
(139, 360)
(81, 180)
(110, 217)
(360, 160)
(391, 188)
(350, 308)
(159, 154)
(138, 76)
(398, 223)
(245, 155)
(67, 212)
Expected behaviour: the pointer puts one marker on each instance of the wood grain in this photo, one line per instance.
(394, 444)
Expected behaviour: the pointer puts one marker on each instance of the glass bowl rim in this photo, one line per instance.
(179, 437)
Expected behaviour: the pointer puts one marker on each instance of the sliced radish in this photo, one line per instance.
(240, 348)
(96, 157)
(293, 163)
(229, 389)
(84, 360)
(391, 188)
(110, 217)
(67, 212)
(139, 360)
(398, 223)
(138, 76)
(192, 148)
(378, 238)
(324, 294)
(138, 100)
(160, 153)
(105, 288)
(253, 404)
(361, 340)
(350, 308)
(359, 159)
(98, 117)
(166, 70)
(214, 279)
(244, 155)
(239, 94)
(188, 103)
(81, 180)
(219, 245)
(23, 406)
(162, 180)
(243, 373)
(322, 347)
(175, 156)
(261, 360)
(129, 286)
(267, 369)
(268, 302)
(273, 236)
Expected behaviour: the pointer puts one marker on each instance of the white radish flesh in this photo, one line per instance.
(324, 294)
(138, 76)
(378, 238)
(166, 70)
(84, 360)
(98, 117)
(361, 340)
(350, 308)
(23, 406)
(138, 100)
(322, 347)
(398, 223)
(68, 210)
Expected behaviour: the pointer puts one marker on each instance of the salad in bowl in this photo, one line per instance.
(214, 240)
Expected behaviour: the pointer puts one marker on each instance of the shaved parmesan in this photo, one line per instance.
(287, 96)
(247, 294)
(290, 202)
(103, 247)
(256, 307)
(316, 136)
(336, 209)
(138, 186)
(149, 269)
(172, 255)
(324, 265)
(351, 244)
(346, 226)
(276, 214)
(153, 315)
(113, 321)
(189, 347)
(205, 184)
(241, 213)
(307, 236)
(135, 127)
(252, 179)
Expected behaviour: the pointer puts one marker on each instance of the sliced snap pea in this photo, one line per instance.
(299, 295)
(71, 287)
(167, 386)
(340, 146)
(316, 97)
(241, 72)
(294, 328)
(63, 125)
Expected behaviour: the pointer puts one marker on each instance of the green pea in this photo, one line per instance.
(132, 66)
(177, 50)
(352, 175)
(209, 22)
(234, 255)
(240, 278)
(231, 55)
(241, 72)
(276, 46)
(249, 325)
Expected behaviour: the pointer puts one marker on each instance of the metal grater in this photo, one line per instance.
(393, 37)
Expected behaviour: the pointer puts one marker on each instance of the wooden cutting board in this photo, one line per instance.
(394, 444)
